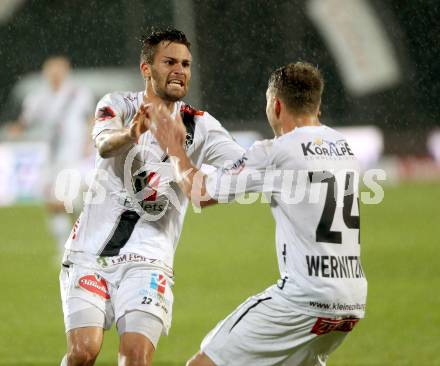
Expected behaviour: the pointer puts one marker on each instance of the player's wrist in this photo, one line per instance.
(132, 136)
(177, 151)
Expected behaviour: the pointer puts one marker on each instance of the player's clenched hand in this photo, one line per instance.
(170, 132)
(140, 122)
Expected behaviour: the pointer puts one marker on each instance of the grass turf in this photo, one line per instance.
(226, 254)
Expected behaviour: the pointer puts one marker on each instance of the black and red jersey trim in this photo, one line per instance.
(188, 114)
(121, 234)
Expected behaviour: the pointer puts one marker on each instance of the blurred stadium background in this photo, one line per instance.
(380, 62)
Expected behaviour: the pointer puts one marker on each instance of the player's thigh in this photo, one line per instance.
(139, 323)
(143, 306)
(200, 359)
(137, 348)
(147, 292)
(245, 337)
(316, 351)
(85, 299)
(263, 331)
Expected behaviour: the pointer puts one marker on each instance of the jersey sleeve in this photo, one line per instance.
(31, 109)
(253, 172)
(109, 114)
(219, 147)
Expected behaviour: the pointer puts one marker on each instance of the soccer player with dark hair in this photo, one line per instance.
(321, 293)
(118, 264)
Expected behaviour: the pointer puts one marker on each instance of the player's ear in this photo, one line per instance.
(277, 107)
(145, 70)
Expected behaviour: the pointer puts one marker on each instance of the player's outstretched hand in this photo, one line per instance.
(170, 132)
(140, 122)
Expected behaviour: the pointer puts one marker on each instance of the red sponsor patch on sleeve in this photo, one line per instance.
(326, 325)
(95, 284)
(105, 113)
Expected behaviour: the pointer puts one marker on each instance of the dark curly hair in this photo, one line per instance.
(299, 85)
(151, 39)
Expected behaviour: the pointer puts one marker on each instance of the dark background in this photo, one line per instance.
(239, 44)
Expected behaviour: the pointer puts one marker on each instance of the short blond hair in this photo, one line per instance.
(299, 85)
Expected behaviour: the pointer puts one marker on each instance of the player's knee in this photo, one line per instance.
(200, 359)
(135, 354)
(84, 345)
(82, 356)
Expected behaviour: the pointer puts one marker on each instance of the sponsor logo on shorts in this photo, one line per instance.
(95, 284)
(156, 299)
(325, 325)
(158, 282)
(131, 258)
(155, 293)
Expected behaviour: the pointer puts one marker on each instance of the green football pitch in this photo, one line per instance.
(227, 254)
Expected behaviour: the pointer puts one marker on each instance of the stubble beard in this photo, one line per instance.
(161, 92)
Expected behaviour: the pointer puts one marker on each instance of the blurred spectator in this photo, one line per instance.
(434, 144)
(57, 113)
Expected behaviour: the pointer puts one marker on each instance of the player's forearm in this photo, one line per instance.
(184, 169)
(190, 179)
(114, 142)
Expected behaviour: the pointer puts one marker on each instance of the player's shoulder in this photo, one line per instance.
(77, 88)
(121, 97)
(201, 119)
(308, 133)
(122, 103)
(319, 136)
(260, 152)
(262, 145)
(81, 95)
(320, 143)
(201, 124)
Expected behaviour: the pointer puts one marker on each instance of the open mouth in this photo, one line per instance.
(175, 82)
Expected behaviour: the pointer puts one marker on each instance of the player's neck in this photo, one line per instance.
(151, 97)
(56, 86)
(299, 121)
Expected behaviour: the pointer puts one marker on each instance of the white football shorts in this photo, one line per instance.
(125, 292)
(264, 331)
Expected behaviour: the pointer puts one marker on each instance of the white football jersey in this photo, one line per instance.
(135, 205)
(310, 176)
(61, 119)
